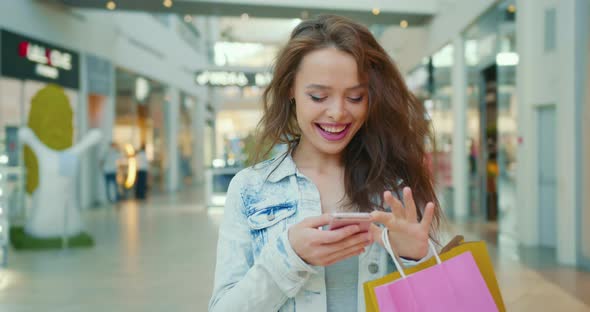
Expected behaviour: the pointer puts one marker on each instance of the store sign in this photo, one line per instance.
(99, 75)
(232, 78)
(26, 58)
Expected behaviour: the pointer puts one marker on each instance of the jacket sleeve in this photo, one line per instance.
(406, 263)
(245, 284)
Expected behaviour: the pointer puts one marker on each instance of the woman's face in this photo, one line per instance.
(331, 103)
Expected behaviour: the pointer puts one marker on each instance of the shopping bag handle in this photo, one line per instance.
(387, 245)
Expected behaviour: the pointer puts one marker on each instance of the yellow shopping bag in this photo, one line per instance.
(482, 259)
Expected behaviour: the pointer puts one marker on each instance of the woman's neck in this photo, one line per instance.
(306, 157)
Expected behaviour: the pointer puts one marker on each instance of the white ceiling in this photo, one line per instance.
(257, 29)
(394, 39)
(391, 11)
(271, 22)
(386, 6)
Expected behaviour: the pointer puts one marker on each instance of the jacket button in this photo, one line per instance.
(373, 268)
(270, 217)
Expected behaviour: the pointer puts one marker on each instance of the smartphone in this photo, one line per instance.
(342, 219)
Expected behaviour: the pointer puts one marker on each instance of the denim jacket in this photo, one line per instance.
(257, 269)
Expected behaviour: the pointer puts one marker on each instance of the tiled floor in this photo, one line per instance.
(160, 255)
(529, 278)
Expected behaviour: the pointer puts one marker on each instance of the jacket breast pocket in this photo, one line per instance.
(268, 221)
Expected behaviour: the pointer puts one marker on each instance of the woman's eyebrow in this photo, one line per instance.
(317, 86)
(323, 87)
(360, 86)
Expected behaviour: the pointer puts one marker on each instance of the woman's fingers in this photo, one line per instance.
(428, 216)
(345, 253)
(410, 205)
(385, 218)
(363, 237)
(333, 236)
(317, 221)
(396, 206)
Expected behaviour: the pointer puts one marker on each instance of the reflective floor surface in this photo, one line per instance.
(159, 255)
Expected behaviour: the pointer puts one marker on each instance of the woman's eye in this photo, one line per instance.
(317, 98)
(356, 99)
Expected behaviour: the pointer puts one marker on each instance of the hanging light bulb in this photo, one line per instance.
(111, 5)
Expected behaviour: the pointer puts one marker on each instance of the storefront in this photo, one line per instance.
(441, 113)
(186, 139)
(237, 115)
(139, 123)
(230, 122)
(431, 84)
(28, 66)
(491, 59)
(100, 115)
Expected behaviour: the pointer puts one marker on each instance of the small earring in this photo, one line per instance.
(292, 101)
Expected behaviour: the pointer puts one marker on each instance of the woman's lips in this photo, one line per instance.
(333, 132)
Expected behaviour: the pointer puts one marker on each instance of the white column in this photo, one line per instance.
(557, 83)
(585, 161)
(198, 129)
(459, 98)
(527, 44)
(172, 109)
(570, 45)
(216, 103)
(107, 126)
(84, 197)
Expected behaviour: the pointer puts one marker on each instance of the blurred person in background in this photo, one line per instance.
(355, 136)
(142, 174)
(109, 168)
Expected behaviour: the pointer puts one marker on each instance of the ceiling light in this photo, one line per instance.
(167, 3)
(512, 8)
(111, 5)
(188, 18)
(507, 59)
(403, 24)
(245, 16)
(376, 11)
(142, 89)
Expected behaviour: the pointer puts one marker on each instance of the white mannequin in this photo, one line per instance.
(57, 187)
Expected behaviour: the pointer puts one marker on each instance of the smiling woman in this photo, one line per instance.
(335, 66)
(355, 137)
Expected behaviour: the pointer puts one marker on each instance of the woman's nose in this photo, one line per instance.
(337, 111)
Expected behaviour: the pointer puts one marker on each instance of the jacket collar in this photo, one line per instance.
(281, 167)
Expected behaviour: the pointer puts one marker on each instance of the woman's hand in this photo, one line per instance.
(323, 248)
(408, 237)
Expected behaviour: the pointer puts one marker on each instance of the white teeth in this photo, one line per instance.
(333, 129)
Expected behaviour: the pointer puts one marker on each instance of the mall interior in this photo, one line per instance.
(156, 103)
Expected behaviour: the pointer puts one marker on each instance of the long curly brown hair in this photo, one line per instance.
(388, 152)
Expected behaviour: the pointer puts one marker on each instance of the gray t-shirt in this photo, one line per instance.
(342, 285)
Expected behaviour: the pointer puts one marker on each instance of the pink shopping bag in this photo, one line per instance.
(453, 285)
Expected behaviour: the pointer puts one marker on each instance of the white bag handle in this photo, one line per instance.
(387, 245)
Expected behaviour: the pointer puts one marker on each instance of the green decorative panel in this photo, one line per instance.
(51, 119)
